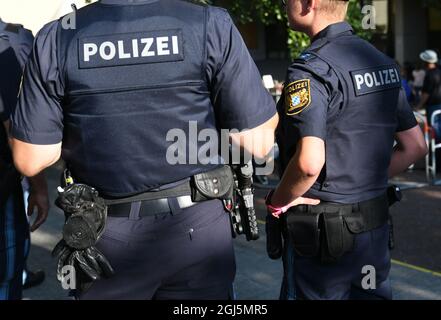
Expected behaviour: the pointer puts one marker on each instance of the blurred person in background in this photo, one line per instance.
(15, 45)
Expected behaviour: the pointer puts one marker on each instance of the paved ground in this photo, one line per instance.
(416, 271)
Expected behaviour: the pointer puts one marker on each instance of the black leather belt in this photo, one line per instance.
(149, 207)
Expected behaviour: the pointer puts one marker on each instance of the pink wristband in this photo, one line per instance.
(275, 211)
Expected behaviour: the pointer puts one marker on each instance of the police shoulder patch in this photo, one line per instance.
(297, 96)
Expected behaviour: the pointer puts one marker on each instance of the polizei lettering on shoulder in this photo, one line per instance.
(130, 48)
(376, 79)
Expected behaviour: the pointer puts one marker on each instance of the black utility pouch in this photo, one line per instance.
(338, 236)
(215, 184)
(304, 230)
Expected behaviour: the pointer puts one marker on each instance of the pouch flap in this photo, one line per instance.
(214, 184)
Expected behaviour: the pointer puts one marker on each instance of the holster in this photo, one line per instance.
(215, 184)
(328, 230)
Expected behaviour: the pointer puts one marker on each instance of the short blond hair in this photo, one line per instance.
(338, 8)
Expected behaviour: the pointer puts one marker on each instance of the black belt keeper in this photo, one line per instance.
(328, 229)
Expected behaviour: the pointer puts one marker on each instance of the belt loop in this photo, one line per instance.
(135, 207)
(173, 205)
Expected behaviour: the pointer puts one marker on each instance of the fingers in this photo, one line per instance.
(31, 206)
(308, 201)
(91, 259)
(82, 263)
(62, 262)
(59, 248)
(41, 218)
(103, 262)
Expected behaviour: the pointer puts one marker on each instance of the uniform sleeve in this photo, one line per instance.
(38, 118)
(26, 41)
(306, 102)
(406, 118)
(239, 98)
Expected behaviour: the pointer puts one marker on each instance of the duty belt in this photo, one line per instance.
(149, 207)
(152, 203)
(328, 229)
(374, 212)
(214, 184)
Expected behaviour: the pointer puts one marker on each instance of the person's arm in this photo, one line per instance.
(258, 141)
(31, 159)
(37, 122)
(38, 199)
(241, 103)
(300, 174)
(410, 147)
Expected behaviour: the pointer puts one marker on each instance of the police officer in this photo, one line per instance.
(108, 94)
(15, 45)
(343, 106)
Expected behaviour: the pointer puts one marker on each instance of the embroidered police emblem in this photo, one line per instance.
(298, 96)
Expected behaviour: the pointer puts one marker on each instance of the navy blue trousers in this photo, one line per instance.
(14, 239)
(186, 254)
(308, 279)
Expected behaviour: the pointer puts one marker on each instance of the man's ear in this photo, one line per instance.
(307, 6)
(314, 4)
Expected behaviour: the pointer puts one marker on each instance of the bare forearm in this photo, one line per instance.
(410, 147)
(31, 159)
(397, 165)
(38, 183)
(294, 184)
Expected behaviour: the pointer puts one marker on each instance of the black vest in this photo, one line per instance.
(360, 136)
(133, 73)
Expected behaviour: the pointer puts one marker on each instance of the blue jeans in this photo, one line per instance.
(14, 237)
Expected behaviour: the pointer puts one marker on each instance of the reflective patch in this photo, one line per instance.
(131, 49)
(376, 79)
(297, 96)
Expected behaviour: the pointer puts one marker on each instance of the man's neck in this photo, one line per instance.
(431, 66)
(320, 25)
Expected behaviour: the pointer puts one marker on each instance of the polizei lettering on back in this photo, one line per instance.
(130, 48)
(376, 79)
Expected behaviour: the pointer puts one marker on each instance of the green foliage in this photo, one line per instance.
(272, 11)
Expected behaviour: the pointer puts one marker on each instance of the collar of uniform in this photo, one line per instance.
(127, 2)
(334, 30)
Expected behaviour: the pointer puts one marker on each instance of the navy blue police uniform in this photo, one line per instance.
(111, 90)
(15, 45)
(345, 92)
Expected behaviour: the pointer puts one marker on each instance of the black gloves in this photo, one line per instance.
(86, 215)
